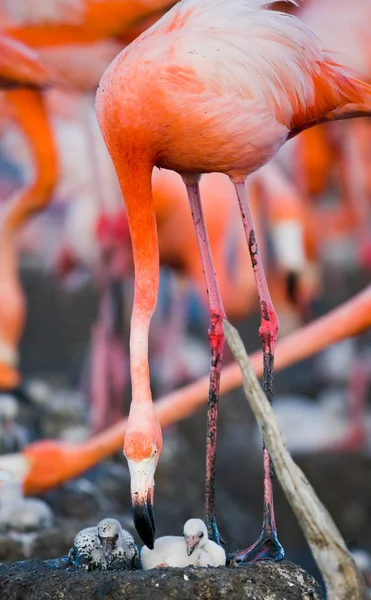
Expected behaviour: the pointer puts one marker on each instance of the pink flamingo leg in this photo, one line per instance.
(217, 341)
(117, 353)
(267, 546)
(172, 337)
(356, 436)
(99, 390)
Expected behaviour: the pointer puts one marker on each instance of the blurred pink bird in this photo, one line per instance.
(346, 32)
(212, 86)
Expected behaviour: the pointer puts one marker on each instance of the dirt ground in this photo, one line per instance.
(36, 581)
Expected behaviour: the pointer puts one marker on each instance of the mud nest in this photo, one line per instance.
(38, 580)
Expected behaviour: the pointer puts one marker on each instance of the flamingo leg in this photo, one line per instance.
(355, 438)
(267, 545)
(30, 114)
(217, 341)
(99, 375)
(117, 351)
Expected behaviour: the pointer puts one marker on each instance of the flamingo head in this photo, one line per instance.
(109, 532)
(195, 534)
(142, 449)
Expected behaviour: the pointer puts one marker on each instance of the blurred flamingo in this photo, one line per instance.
(62, 22)
(32, 198)
(329, 156)
(357, 433)
(12, 315)
(75, 41)
(337, 419)
(184, 96)
(49, 463)
(92, 242)
(78, 39)
(20, 67)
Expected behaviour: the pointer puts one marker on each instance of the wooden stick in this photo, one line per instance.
(342, 578)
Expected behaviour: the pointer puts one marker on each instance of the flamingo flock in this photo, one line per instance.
(194, 101)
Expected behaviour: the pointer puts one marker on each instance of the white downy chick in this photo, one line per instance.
(118, 545)
(19, 513)
(209, 554)
(193, 548)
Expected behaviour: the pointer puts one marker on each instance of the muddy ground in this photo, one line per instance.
(253, 582)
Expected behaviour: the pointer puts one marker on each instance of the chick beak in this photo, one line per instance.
(142, 492)
(191, 542)
(107, 546)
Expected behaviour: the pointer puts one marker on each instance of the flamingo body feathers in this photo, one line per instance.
(219, 87)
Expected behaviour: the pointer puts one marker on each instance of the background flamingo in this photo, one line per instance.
(20, 67)
(75, 42)
(331, 157)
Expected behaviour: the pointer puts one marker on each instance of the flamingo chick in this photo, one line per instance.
(193, 548)
(212, 86)
(118, 545)
(106, 546)
(86, 552)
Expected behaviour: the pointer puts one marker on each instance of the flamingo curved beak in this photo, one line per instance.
(191, 541)
(142, 492)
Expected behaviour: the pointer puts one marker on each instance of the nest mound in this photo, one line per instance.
(36, 579)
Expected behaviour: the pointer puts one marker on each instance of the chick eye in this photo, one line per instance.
(116, 537)
(201, 534)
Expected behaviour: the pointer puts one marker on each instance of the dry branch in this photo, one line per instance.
(340, 573)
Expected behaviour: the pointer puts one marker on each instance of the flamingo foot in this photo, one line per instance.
(267, 547)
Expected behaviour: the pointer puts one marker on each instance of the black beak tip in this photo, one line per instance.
(143, 515)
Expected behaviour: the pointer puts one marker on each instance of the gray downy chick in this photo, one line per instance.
(86, 552)
(118, 545)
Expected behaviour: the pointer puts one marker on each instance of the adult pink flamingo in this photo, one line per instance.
(209, 87)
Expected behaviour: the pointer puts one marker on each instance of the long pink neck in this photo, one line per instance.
(135, 181)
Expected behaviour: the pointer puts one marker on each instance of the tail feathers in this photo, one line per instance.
(337, 97)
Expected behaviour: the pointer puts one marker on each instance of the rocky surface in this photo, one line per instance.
(36, 580)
